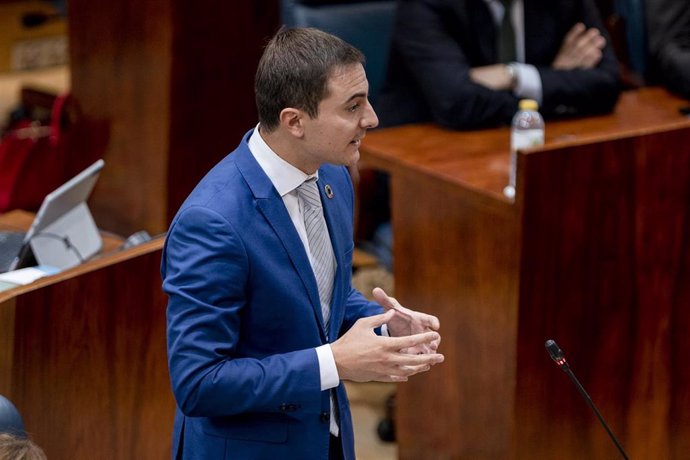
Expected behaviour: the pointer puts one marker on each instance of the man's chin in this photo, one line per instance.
(348, 158)
(353, 159)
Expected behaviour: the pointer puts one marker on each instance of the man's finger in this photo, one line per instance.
(591, 59)
(389, 303)
(409, 341)
(421, 360)
(377, 320)
(384, 299)
(432, 322)
(416, 369)
(574, 32)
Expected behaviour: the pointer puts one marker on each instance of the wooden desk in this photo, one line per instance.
(83, 357)
(19, 221)
(593, 253)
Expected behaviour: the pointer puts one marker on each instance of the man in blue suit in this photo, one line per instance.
(259, 339)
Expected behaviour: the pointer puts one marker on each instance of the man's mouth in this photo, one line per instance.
(357, 141)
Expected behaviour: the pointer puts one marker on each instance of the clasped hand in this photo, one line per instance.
(581, 49)
(362, 356)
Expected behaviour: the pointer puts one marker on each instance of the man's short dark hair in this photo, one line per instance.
(294, 72)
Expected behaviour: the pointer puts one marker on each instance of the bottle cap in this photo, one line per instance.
(528, 104)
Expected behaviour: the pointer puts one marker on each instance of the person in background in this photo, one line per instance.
(465, 64)
(668, 26)
(19, 448)
(652, 42)
(263, 324)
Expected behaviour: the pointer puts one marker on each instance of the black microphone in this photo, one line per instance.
(559, 358)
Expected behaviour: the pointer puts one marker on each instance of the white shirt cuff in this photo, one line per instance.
(528, 82)
(327, 368)
(384, 330)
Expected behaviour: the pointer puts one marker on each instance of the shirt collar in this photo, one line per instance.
(284, 176)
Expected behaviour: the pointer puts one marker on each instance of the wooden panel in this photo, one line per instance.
(479, 160)
(6, 343)
(120, 59)
(90, 370)
(455, 258)
(166, 90)
(604, 272)
(215, 55)
(593, 253)
(83, 355)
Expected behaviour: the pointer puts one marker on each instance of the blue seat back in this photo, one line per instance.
(367, 25)
(10, 420)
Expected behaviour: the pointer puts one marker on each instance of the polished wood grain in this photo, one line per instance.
(605, 257)
(479, 160)
(166, 90)
(593, 253)
(454, 258)
(85, 361)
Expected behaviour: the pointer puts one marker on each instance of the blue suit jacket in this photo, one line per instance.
(244, 318)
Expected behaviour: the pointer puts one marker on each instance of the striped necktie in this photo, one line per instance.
(322, 260)
(320, 248)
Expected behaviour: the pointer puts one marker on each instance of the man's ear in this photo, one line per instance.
(291, 120)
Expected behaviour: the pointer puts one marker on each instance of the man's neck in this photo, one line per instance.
(284, 145)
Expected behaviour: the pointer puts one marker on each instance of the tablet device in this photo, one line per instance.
(63, 233)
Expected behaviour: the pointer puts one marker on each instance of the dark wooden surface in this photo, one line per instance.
(455, 257)
(479, 160)
(83, 357)
(593, 253)
(604, 271)
(166, 90)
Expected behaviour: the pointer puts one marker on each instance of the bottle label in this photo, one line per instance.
(526, 138)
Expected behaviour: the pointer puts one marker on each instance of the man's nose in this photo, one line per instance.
(370, 120)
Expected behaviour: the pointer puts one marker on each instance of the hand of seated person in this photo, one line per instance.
(581, 49)
(495, 76)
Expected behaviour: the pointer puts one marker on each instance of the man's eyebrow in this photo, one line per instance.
(355, 96)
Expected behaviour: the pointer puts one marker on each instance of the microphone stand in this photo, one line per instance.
(559, 358)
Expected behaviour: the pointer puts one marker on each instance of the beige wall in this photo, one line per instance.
(14, 36)
(34, 41)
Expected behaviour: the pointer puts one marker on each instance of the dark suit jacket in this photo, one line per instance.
(244, 318)
(668, 24)
(436, 42)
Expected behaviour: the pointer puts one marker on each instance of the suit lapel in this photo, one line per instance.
(331, 215)
(277, 216)
(271, 206)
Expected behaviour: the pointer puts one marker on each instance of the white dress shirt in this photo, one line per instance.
(528, 78)
(286, 178)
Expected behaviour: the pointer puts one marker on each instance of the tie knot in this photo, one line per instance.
(309, 193)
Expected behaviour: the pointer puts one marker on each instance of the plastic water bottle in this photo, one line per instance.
(527, 131)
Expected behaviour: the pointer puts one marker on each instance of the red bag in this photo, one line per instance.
(33, 159)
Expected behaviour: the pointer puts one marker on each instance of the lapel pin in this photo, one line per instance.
(329, 191)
